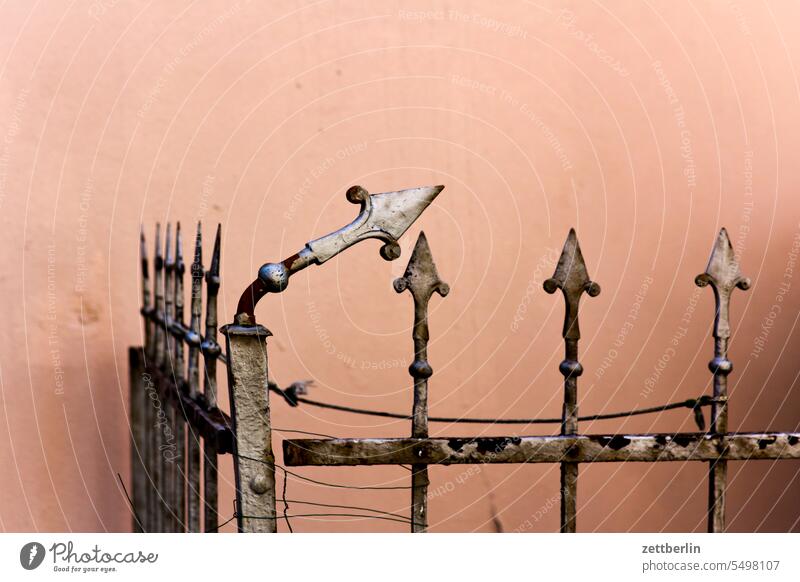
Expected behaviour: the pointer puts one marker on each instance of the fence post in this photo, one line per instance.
(253, 460)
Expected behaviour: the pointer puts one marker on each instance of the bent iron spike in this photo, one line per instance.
(723, 275)
(421, 279)
(572, 278)
(385, 216)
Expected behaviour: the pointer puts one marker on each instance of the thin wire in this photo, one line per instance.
(130, 501)
(326, 515)
(350, 507)
(286, 504)
(692, 403)
(293, 474)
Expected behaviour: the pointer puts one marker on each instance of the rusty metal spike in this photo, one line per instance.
(193, 466)
(211, 351)
(421, 279)
(143, 256)
(159, 257)
(722, 273)
(214, 269)
(168, 247)
(179, 249)
(572, 278)
(198, 247)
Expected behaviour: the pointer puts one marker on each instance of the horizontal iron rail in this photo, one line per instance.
(210, 423)
(543, 449)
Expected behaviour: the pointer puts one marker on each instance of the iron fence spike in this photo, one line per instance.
(723, 275)
(159, 257)
(168, 246)
(572, 277)
(143, 255)
(215, 256)
(179, 248)
(421, 279)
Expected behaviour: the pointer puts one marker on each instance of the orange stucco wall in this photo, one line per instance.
(647, 126)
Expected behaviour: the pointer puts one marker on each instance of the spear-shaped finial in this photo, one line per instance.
(422, 280)
(385, 216)
(723, 274)
(145, 293)
(159, 300)
(211, 351)
(572, 278)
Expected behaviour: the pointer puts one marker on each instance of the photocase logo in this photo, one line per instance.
(31, 555)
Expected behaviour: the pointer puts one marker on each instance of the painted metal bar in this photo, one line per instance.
(723, 275)
(211, 351)
(193, 506)
(253, 461)
(179, 368)
(421, 279)
(543, 449)
(572, 278)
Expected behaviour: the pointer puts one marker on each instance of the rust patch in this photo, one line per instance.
(484, 446)
(684, 440)
(616, 442)
(763, 443)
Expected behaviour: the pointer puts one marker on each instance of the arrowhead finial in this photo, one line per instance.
(572, 278)
(723, 274)
(168, 248)
(212, 277)
(421, 276)
(179, 265)
(143, 254)
(159, 257)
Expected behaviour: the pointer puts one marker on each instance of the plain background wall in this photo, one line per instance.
(645, 125)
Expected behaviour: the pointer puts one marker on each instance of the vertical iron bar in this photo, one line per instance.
(421, 279)
(253, 460)
(138, 401)
(722, 273)
(160, 351)
(211, 352)
(170, 468)
(180, 424)
(193, 444)
(572, 278)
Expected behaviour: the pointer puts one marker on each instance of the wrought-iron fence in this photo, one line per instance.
(178, 430)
